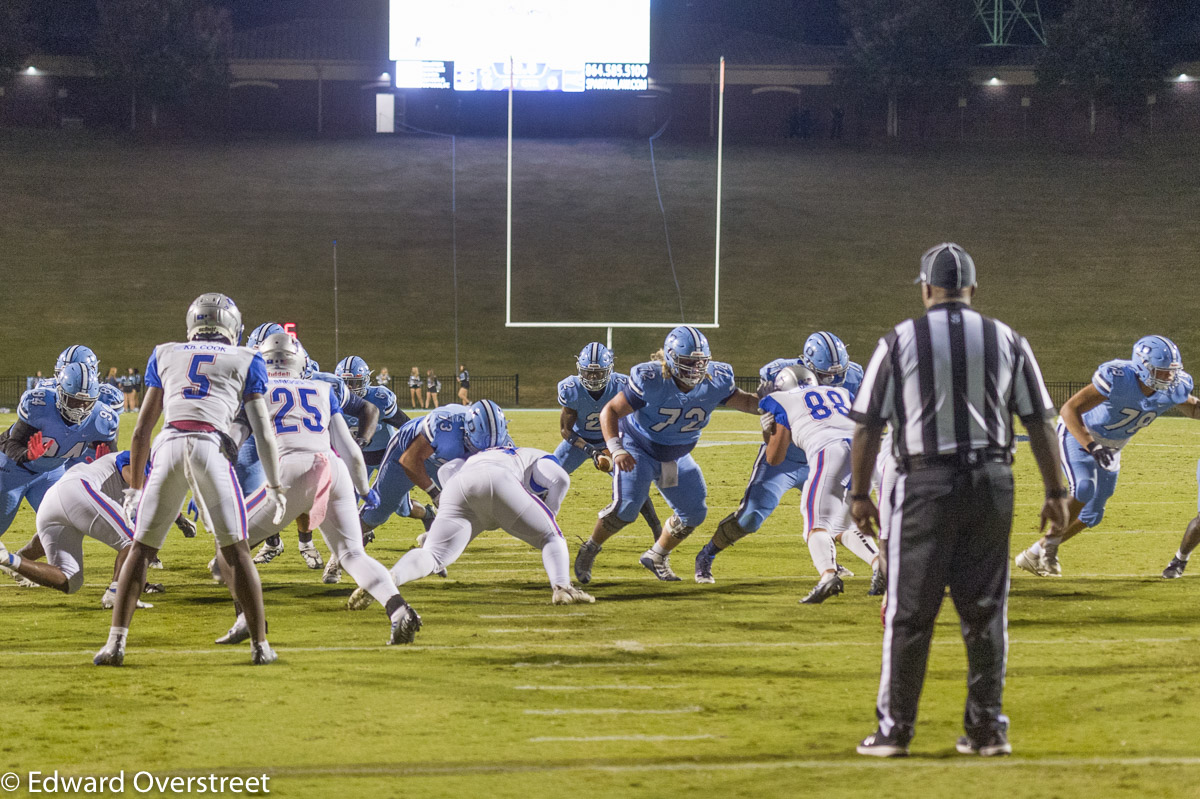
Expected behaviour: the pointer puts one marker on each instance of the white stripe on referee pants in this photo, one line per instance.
(886, 722)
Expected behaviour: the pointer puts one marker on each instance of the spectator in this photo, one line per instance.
(384, 378)
(432, 387)
(414, 388)
(126, 383)
(137, 388)
(464, 384)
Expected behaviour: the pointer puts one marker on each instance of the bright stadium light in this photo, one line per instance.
(1183, 77)
(31, 70)
(385, 77)
(995, 81)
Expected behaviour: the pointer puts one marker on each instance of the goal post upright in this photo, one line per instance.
(608, 327)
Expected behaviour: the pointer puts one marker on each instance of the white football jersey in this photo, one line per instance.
(103, 474)
(816, 415)
(540, 477)
(205, 381)
(300, 412)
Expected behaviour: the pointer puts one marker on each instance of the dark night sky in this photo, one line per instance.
(66, 23)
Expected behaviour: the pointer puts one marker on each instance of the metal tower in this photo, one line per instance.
(1001, 17)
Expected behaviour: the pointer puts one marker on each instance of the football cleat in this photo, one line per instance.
(312, 558)
(659, 566)
(704, 562)
(1174, 569)
(995, 744)
(154, 588)
(879, 745)
(823, 590)
(262, 654)
(843, 572)
(113, 654)
(570, 595)
(427, 519)
(405, 624)
(240, 631)
(584, 558)
(1030, 562)
(333, 572)
(268, 552)
(878, 583)
(421, 539)
(155, 563)
(361, 599)
(1050, 562)
(215, 571)
(368, 537)
(110, 598)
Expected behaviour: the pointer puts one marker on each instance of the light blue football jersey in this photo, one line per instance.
(385, 401)
(442, 428)
(850, 381)
(667, 422)
(1126, 409)
(572, 394)
(66, 441)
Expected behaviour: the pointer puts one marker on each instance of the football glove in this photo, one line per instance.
(435, 494)
(767, 421)
(102, 449)
(600, 457)
(370, 500)
(132, 497)
(1105, 456)
(276, 497)
(192, 510)
(186, 526)
(36, 446)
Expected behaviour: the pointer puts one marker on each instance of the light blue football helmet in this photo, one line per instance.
(354, 373)
(595, 364)
(825, 355)
(486, 427)
(259, 334)
(76, 392)
(76, 353)
(687, 354)
(1157, 362)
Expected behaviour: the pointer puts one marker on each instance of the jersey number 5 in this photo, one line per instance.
(200, 384)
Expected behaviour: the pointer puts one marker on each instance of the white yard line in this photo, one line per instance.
(540, 630)
(614, 711)
(610, 664)
(602, 738)
(595, 687)
(529, 615)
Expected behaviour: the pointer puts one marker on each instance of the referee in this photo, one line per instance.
(949, 383)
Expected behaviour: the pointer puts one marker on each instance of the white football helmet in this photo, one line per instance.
(214, 315)
(283, 354)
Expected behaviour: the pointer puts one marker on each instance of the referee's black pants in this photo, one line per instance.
(951, 528)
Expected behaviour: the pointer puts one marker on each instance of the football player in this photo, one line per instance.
(198, 386)
(516, 490)
(1191, 538)
(815, 418)
(322, 467)
(55, 427)
(86, 502)
(110, 395)
(1123, 398)
(651, 428)
(826, 357)
(357, 376)
(582, 397)
(416, 452)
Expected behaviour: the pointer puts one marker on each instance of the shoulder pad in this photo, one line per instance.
(32, 400)
(566, 390)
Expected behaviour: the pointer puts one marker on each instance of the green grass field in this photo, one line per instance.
(109, 242)
(733, 689)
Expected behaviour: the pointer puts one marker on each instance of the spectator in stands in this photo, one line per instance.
(137, 388)
(384, 378)
(464, 384)
(432, 387)
(126, 384)
(414, 388)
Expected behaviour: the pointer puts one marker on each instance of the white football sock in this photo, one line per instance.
(1180, 556)
(1036, 549)
(370, 574)
(117, 635)
(557, 561)
(415, 564)
(861, 546)
(823, 551)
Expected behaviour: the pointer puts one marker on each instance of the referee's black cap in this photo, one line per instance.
(947, 266)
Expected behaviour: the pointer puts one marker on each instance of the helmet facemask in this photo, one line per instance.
(74, 408)
(688, 369)
(594, 376)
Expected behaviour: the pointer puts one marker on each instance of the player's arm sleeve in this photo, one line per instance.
(264, 437)
(635, 389)
(343, 444)
(1030, 400)
(15, 441)
(256, 378)
(396, 419)
(873, 404)
(152, 379)
(548, 475)
(1102, 379)
(770, 405)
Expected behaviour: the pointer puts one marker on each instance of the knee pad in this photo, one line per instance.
(676, 529)
(729, 531)
(75, 582)
(1085, 489)
(611, 521)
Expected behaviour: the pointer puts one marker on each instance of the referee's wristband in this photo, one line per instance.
(858, 497)
(1058, 493)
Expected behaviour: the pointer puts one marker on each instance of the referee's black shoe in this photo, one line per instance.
(1174, 569)
(879, 745)
(996, 743)
(823, 590)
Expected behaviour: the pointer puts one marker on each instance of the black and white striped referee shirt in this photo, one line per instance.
(950, 381)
